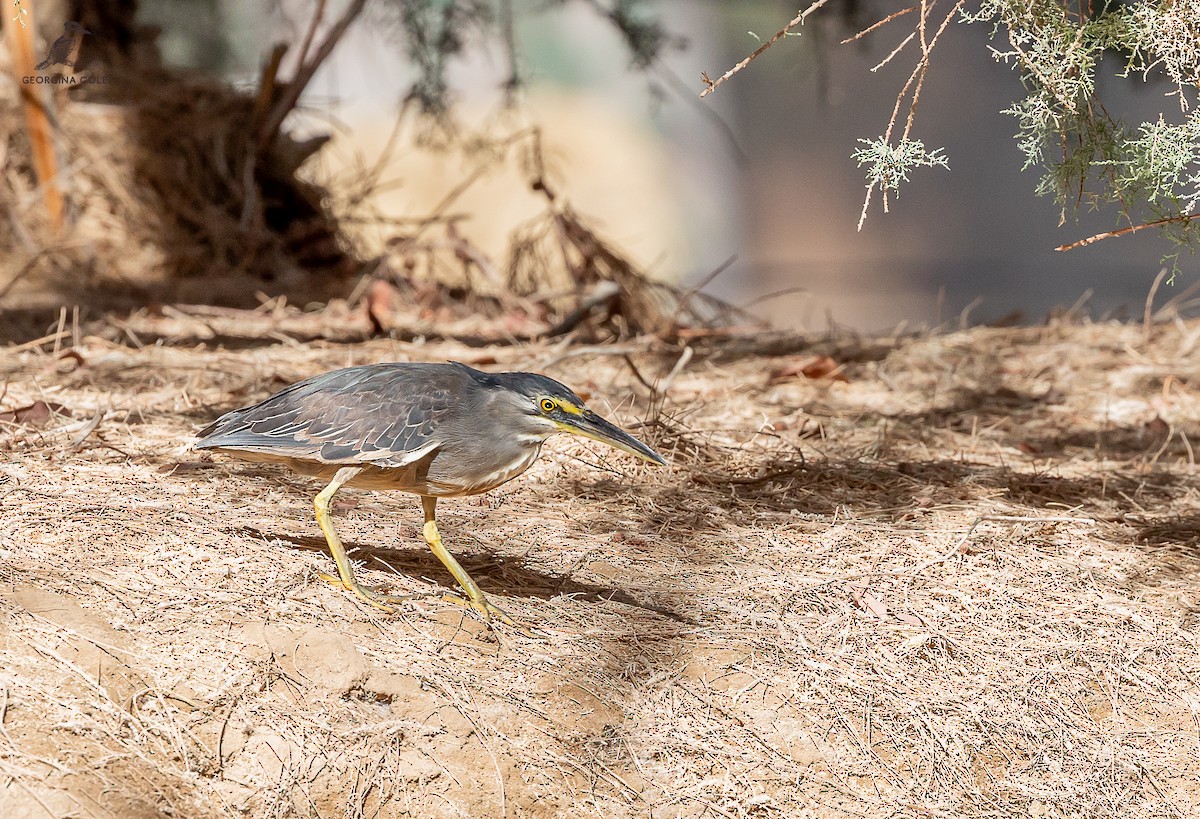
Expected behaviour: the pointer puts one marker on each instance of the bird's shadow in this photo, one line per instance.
(496, 574)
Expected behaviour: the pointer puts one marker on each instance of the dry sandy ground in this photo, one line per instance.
(963, 582)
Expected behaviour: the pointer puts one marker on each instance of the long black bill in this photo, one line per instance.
(591, 425)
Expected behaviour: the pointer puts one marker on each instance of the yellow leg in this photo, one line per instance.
(475, 596)
(345, 569)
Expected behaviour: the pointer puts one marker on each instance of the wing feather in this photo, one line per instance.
(383, 414)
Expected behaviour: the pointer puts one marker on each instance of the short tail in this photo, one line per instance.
(42, 65)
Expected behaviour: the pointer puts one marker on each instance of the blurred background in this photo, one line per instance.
(759, 172)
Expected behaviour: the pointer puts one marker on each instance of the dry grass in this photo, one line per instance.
(961, 584)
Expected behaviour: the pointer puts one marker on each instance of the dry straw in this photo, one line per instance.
(961, 583)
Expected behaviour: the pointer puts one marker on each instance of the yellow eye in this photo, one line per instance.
(548, 405)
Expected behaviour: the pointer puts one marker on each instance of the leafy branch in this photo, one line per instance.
(1088, 158)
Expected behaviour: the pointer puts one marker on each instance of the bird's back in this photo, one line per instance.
(385, 415)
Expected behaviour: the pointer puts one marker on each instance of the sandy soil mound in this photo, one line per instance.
(955, 578)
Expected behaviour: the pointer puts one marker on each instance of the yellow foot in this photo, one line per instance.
(370, 596)
(489, 612)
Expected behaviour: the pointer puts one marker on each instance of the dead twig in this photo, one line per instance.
(1147, 312)
(684, 359)
(304, 74)
(1108, 234)
(29, 265)
(575, 352)
(601, 293)
(712, 85)
(314, 24)
(874, 26)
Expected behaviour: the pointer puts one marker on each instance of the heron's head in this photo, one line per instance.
(540, 406)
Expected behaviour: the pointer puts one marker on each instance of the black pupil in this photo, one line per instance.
(547, 405)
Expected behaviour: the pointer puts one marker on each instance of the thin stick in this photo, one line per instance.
(638, 374)
(1175, 301)
(1148, 311)
(917, 76)
(680, 87)
(1131, 229)
(895, 51)
(37, 342)
(684, 358)
(691, 292)
(477, 174)
(268, 80)
(29, 265)
(312, 30)
(626, 349)
(304, 73)
(60, 332)
(37, 119)
(797, 20)
(927, 49)
(874, 26)
(510, 46)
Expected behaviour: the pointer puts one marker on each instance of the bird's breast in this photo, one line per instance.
(469, 473)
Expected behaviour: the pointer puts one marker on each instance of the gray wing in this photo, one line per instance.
(381, 414)
(60, 50)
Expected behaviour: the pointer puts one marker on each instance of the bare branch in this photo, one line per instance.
(304, 74)
(797, 20)
(318, 16)
(1108, 234)
(916, 80)
(895, 51)
(874, 26)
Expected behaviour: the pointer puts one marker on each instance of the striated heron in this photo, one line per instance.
(435, 430)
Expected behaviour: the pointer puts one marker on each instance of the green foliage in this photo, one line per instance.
(1088, 157)
(644, 35)
(890, 165)
(437, 31)
(1162, 165)
(1149, 171)
(1166, 35)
